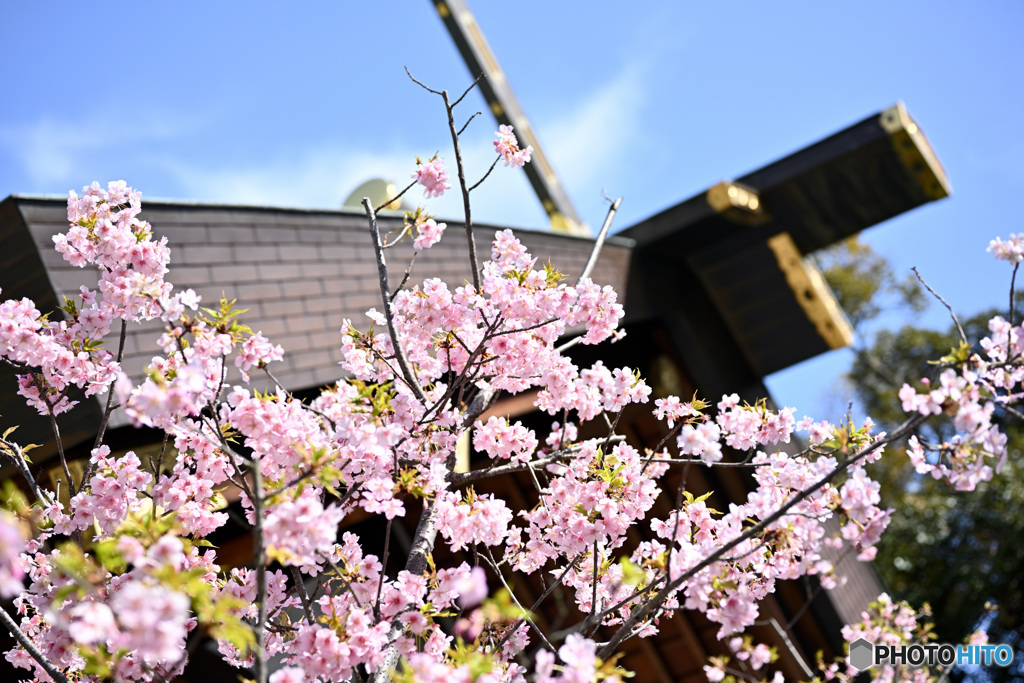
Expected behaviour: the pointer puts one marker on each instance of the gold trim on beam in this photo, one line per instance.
(738, 203)
(914, 150)
(811, 292)
(493, 70)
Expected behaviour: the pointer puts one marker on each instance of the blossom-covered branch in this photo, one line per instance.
(122, 574)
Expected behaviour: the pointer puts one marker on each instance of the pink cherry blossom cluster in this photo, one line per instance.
(112, 493)
(256, 351)
(971, 391)
(481, 520)
(433, 177)
(1012, 249)
(300, 532)
(788, 548)
(502, 441)
(507, 146)
(240, 587)
(131, 613)
(592, 499)
(750, 661)
(105, 232)
(188, 489)
(58, 355)
(428, 233)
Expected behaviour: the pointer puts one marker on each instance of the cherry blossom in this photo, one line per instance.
(507, 146)
(428, 233)
(433, 177)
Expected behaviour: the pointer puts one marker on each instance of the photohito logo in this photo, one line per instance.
(864, 655)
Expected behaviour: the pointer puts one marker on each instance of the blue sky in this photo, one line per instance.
(297, 104)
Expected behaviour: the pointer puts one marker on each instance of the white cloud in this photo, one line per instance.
(316, 178)
(52, 150)
(589, 140)
(324, 177)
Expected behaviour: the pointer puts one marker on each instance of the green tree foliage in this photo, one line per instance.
(955, 551)
(864, 283)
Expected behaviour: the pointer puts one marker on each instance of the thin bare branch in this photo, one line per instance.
(514, 330)
(300, 588)
(489, 558)
(569, 344)
(396, 197)
(1013, 285)
(493, 164)
(599, 241)
(413, 79)
(1013, 411)
(260, 560)
(657, 600)
(60, 449)
(543, 596)
(17, 455)
(383, 568)
(30, 647)
(476, 475)
(948, 307)
(698, 461)
(593, 586)
(405, 278)
(468, 90)
(385, 293)
(474, 263)
(468, 121)
(109, 409)
(801, 662)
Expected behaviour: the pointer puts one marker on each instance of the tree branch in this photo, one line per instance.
(599, 241)
(385, 295)
(109, 409)
(657, 600)
(422, 544)
(15, 453)
(31, 648)
(1013, 284)
(396, 197)
(944, 303)
(60, 450)
(260, 560)
(474, 263)
(476, 475)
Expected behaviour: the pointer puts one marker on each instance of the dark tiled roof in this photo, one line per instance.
(299, 273)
